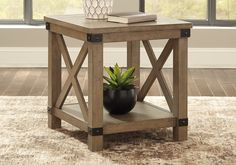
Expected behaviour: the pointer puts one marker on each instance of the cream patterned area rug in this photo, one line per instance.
(25, 138)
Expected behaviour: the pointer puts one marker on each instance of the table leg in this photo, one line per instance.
(54, 78)
(95, 96)
(133, 58)
(180, 88)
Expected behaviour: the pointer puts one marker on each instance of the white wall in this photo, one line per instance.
(125, 5)
(27, 45)
(198, 57)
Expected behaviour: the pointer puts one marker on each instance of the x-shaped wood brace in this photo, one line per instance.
(72, 78)
(157, 73)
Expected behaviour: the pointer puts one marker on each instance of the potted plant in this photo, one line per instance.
(120, 93)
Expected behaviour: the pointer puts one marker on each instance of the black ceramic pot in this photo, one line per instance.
(119, 101)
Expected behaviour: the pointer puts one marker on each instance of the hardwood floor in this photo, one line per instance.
(202, 82)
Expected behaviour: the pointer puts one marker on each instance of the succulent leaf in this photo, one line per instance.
(117, 72)
(110, 73)
(111, 69)
(127, 74)
(110, 81)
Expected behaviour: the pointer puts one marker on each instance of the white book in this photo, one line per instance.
(131, 17)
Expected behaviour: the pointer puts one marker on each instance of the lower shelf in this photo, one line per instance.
(143, 116)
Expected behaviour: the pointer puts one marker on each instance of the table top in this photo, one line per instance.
(80, 23)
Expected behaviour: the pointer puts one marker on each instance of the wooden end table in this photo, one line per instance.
(90, 117)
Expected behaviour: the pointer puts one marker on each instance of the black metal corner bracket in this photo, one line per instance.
(94, 37)
(47, 26)
(95, 131)
(183, 122)
(185, 32)
(49, 109)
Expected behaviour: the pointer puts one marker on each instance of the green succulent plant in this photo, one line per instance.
(118, 79)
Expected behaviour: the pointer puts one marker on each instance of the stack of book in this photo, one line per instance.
(131, 17)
